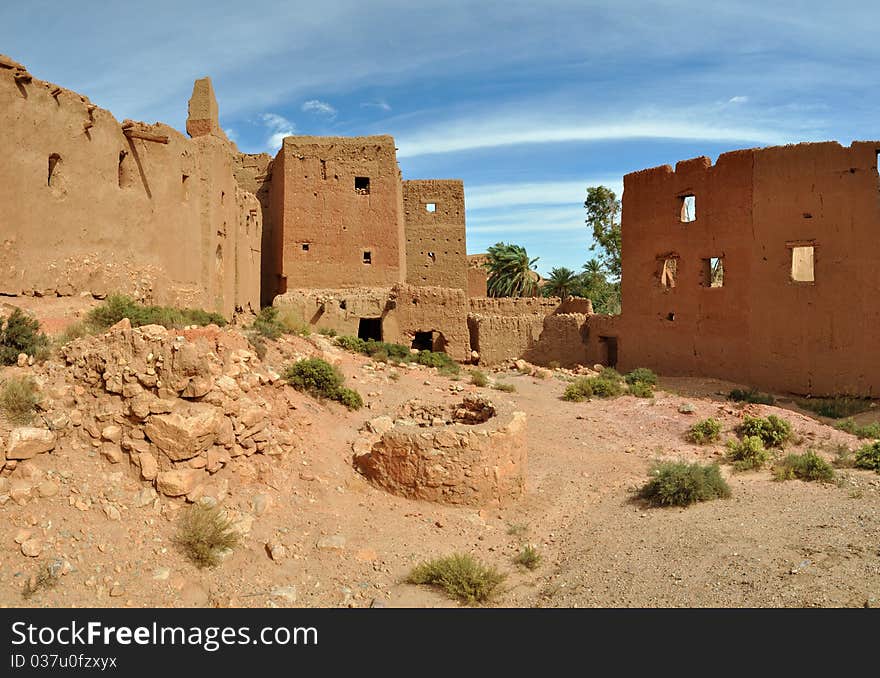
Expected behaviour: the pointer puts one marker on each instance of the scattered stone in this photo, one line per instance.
(112, 433)
(26, 442)
(276, 550)
(332, 543)
(149, 466)
(686, 408)
(112, 453)
(32, 547)
(22, 360)
(179, 482)
(47, 488)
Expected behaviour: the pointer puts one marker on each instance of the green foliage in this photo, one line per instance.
(74, 331)
(704, 432)
(19, 398)
(504, 387)
(595, 285)
(868, 456)
(563, 283)
(20, 333)
(773, 431)
(807, 466)
(353, 344)
(837, 407)
(461, 576)
(320, 379)
(579, 390)
(871, 430)
(605, 386)
(118, 306)
(641, 374)
(678, 483)
(204, 532)
(528, 558)
(437, 359)
(510, 271)
(327, 332)
(479, 378)
(751, 396)
(747, 454)
(396, 352)
(641, 390)
(267, 324)
(603, 217)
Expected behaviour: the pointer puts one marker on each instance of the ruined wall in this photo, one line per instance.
(89, 205)
(253, 172)
(434, 219)
(760, 326)
(337, 309)
(563, 340)
(497, 338)
(338, 206)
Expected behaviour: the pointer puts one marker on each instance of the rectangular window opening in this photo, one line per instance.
(423, 341)
(368, 257)
(431, 207)
(362, 185)
(713, 272)
(668, 271)
(305, 247)
(803, 264)
(688, 208)
(370, 329)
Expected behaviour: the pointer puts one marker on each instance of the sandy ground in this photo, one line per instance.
(770, 544)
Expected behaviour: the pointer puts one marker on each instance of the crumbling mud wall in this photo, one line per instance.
(434, 312)
(563, 340)
(89, 205)
(253, 172)
(472, 454)
(794, 228)
(338, 205)
(434, 218)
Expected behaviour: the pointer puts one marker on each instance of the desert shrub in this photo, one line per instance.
(76, 330)
(748, 453)
(47, 576)
(704, 432)
(460, 575)
(528, 558)
(605, 385)
(835, 408)
(204, 532)
(350, 398)
(868, 456)
(18, 399)
(610, 373)
(678, 483)
(437, 359)
(871, 430)
(20, 333)
(380, 356)
(641, 389)
(396, 352)
(751, 396)
(806, 466)
(119, 306)
(267, 324)
(578, 390)
(353, 344)
(773, 431)
(641, 375)
(504, 387)
(327, 332)
(451, 371)
(479, 378)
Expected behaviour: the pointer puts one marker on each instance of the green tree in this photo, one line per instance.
(603, 216)
(562, 283)
(604, 293)
(510, 271)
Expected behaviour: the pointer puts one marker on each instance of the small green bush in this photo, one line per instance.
(460, 575)
(868, 456)
(20, 333)
(396, 352)
(119, 306)
(380, 356)
(751, 396)
(610, 373)
(320, 380)
(773, 431)
(807, 466)
(641, 375)
(605, 386)
(267, 324)
(678, 483)
(705, 432)
(871, 430)
(504, 387)
(19, 398)
(579, 390)
(641, 389)
(204, 532)
(350, 398)
(438, 360)
(353, 344)
(837, 407)
(748, 453)
(479, 378)
(528, 558)
(327, 332)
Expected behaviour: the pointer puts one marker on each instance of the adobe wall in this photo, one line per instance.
(497, 338)
(253, 172)
(434, 217)
(761, 327)
(337, 309)
(164, 222)
(477, 282)
(335, 233)
(563, 339)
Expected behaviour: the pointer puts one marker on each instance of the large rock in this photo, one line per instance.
(26, 442)
(186, 433)
(179, 482)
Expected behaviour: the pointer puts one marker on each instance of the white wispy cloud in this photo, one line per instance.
(279, 127)
(381, 104)
(493, 196)
(738, 100)
(319, 107)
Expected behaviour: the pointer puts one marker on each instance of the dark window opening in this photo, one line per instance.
(54, 161)
(431, 207)
(362, 185)
(608, 351)
(368, 257)
(670, 316)
(423, 341)
(370, 328)
(688, 208)
(184, 182)
(305, 247)
(343, 304)
(713, 272)
(432, 257)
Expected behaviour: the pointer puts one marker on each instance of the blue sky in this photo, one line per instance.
(528, 102)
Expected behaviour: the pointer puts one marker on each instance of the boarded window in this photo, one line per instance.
(688, 208)
(713, 272)
(803, 263)
(362, 185)
(668, 271)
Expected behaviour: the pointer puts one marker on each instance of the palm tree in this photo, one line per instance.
(562, 283)
(510, 271)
